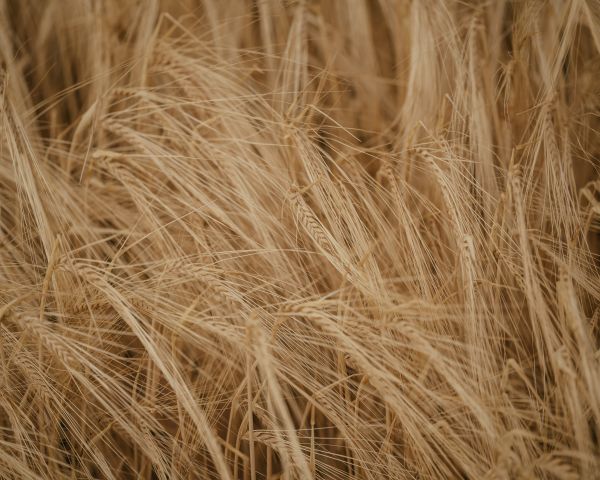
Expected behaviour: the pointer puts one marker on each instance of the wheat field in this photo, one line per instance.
(309, 239)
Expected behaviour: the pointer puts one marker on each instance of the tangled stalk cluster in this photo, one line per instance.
(275, 239)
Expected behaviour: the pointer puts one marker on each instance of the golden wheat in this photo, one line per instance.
(296, 239)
